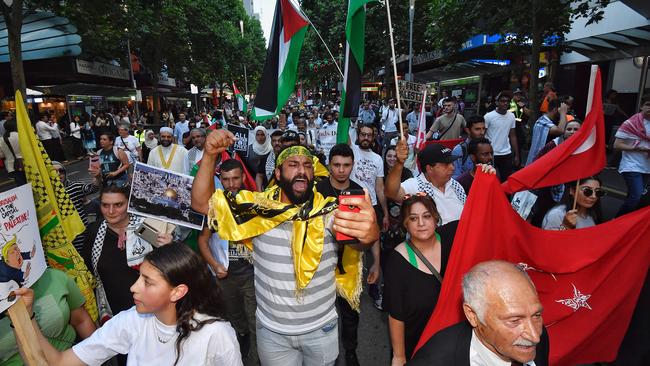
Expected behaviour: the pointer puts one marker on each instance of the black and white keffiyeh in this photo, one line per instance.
(425, 186)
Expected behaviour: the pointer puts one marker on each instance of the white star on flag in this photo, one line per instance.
(578, 301)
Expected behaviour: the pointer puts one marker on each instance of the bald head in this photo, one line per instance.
(501, 304)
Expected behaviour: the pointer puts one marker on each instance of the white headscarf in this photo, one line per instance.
(266, 147)
(150, 142)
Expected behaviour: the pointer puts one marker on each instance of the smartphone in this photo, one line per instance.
(148, 234)
(93, 162)
(342, 238)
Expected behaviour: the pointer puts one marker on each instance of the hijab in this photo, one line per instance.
(265, 148)
(150, 142)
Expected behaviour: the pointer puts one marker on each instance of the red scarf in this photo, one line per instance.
(635, 126)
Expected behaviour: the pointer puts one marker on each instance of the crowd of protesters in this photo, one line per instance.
(253, 306)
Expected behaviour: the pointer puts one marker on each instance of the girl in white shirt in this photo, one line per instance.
(177, 319)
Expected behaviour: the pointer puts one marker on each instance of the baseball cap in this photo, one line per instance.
(435, 153)
(290, 135)
(517, 91)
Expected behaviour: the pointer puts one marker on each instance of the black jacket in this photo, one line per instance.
(450, 347)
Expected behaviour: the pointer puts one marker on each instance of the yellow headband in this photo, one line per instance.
(297, 150)
(6, 246)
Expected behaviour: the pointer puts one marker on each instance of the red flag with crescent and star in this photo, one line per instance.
(588, 280)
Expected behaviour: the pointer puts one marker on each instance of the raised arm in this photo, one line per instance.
(203, 186)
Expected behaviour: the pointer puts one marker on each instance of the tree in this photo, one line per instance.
(12, 12)
(526, 25)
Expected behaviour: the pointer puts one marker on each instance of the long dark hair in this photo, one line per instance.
(178, 265)
(406, 173)
(567, 199)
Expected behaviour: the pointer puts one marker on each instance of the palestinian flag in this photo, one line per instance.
(355, 34)
(241, 101)
(280, 70)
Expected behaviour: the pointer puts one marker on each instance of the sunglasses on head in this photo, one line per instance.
(418, 194)
(588, 191)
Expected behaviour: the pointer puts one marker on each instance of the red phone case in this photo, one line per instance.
(342, 238)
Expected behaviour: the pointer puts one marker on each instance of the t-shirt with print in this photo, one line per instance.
(498, 131)
(56, 295)
(368, 166)
(635, 161)
(141, 336)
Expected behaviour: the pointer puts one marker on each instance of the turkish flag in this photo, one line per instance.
(588, 280)
(580, 156)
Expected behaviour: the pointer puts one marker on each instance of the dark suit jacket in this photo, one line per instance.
(450, 347)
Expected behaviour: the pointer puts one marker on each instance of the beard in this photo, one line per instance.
(365, 144)
(165, 143)
(296, 197)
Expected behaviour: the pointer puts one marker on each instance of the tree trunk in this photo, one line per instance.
(13, 17)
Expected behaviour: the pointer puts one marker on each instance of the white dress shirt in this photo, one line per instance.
(479, 355)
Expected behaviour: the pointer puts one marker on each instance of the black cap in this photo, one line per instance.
(290, 135)
(517, 91)
(435, 153)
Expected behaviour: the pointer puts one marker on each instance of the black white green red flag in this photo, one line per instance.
(280, 70)
(355, 34)
(241, 101)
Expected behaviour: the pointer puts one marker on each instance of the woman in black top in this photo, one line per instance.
(410, 289)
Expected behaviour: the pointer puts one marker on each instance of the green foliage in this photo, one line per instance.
(329, 18)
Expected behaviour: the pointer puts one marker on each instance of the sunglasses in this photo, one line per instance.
(588, 192)
(418, 194)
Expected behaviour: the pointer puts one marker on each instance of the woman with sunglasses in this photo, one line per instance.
(177, 319)
(413, 273)
(587, 212)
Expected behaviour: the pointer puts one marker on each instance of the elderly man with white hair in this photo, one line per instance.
(169, 155)
(504, 323)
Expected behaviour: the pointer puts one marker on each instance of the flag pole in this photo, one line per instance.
(392, 49)
(321, 39)
(590, 101)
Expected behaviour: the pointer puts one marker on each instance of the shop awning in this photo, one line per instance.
(459, 70)
(85, 89)
(626, 43)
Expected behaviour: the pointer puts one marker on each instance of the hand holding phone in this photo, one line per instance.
(342, 238)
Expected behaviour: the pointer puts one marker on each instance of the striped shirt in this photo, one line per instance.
(77, 192)
(279, 308)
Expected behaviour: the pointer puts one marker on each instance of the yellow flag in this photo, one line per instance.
(58, 220)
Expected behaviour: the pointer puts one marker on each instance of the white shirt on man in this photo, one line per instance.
(130, 145)
(498, 131)
(147, 341)
(389, 118)
(448, 204)
(368, 166)
(635, 161)
(45, 131)
(178, 162)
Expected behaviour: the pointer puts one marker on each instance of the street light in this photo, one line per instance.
(411, 15)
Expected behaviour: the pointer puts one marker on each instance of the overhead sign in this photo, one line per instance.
(411, 92)
(102, 69)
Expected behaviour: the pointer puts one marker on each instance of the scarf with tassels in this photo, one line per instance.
(248, 214)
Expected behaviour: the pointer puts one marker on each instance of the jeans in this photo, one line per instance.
(349, 324)
(317, 348)
(636, 187)
(239, 299)
(503, 164)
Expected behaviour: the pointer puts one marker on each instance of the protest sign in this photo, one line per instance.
(412, 92)
(164, 195)
(22, 260)
(241, 145)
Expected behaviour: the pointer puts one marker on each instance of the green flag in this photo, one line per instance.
(355, 34)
